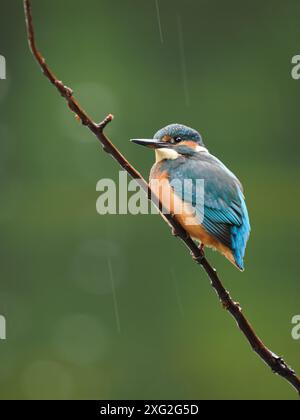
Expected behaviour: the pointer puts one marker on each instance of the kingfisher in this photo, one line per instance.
(221, 221)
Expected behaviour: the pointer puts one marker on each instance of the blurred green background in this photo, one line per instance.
(221, 67)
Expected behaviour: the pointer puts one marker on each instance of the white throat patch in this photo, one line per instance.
(162, 154)
(201, 149)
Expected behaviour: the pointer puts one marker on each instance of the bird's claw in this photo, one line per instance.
(198, 258)
(175, 233)
(226, 305)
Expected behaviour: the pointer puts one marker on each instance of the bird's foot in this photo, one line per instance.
(183, 235)
(199, 258)
(226, 305)
(175, 233)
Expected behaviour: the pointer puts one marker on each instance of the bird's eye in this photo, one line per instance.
(177, 139)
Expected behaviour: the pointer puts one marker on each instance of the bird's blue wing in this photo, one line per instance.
(224, 213)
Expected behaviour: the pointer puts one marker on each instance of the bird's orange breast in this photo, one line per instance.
(185, 213)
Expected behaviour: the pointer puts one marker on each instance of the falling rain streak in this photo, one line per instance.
(183, 62)
(159, 22)
(178, 297)
(113, 287)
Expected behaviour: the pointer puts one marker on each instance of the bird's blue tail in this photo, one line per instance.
(240, 235)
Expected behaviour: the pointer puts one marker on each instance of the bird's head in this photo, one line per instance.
(174, 141)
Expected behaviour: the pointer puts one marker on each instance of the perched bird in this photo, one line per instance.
(220, 222)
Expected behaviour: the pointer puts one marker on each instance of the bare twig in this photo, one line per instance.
(276, 363)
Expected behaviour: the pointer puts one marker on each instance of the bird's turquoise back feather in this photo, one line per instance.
(225, 213)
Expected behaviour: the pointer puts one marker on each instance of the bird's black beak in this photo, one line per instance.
(152, 144)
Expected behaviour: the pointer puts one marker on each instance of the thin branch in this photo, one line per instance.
(276, 363)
